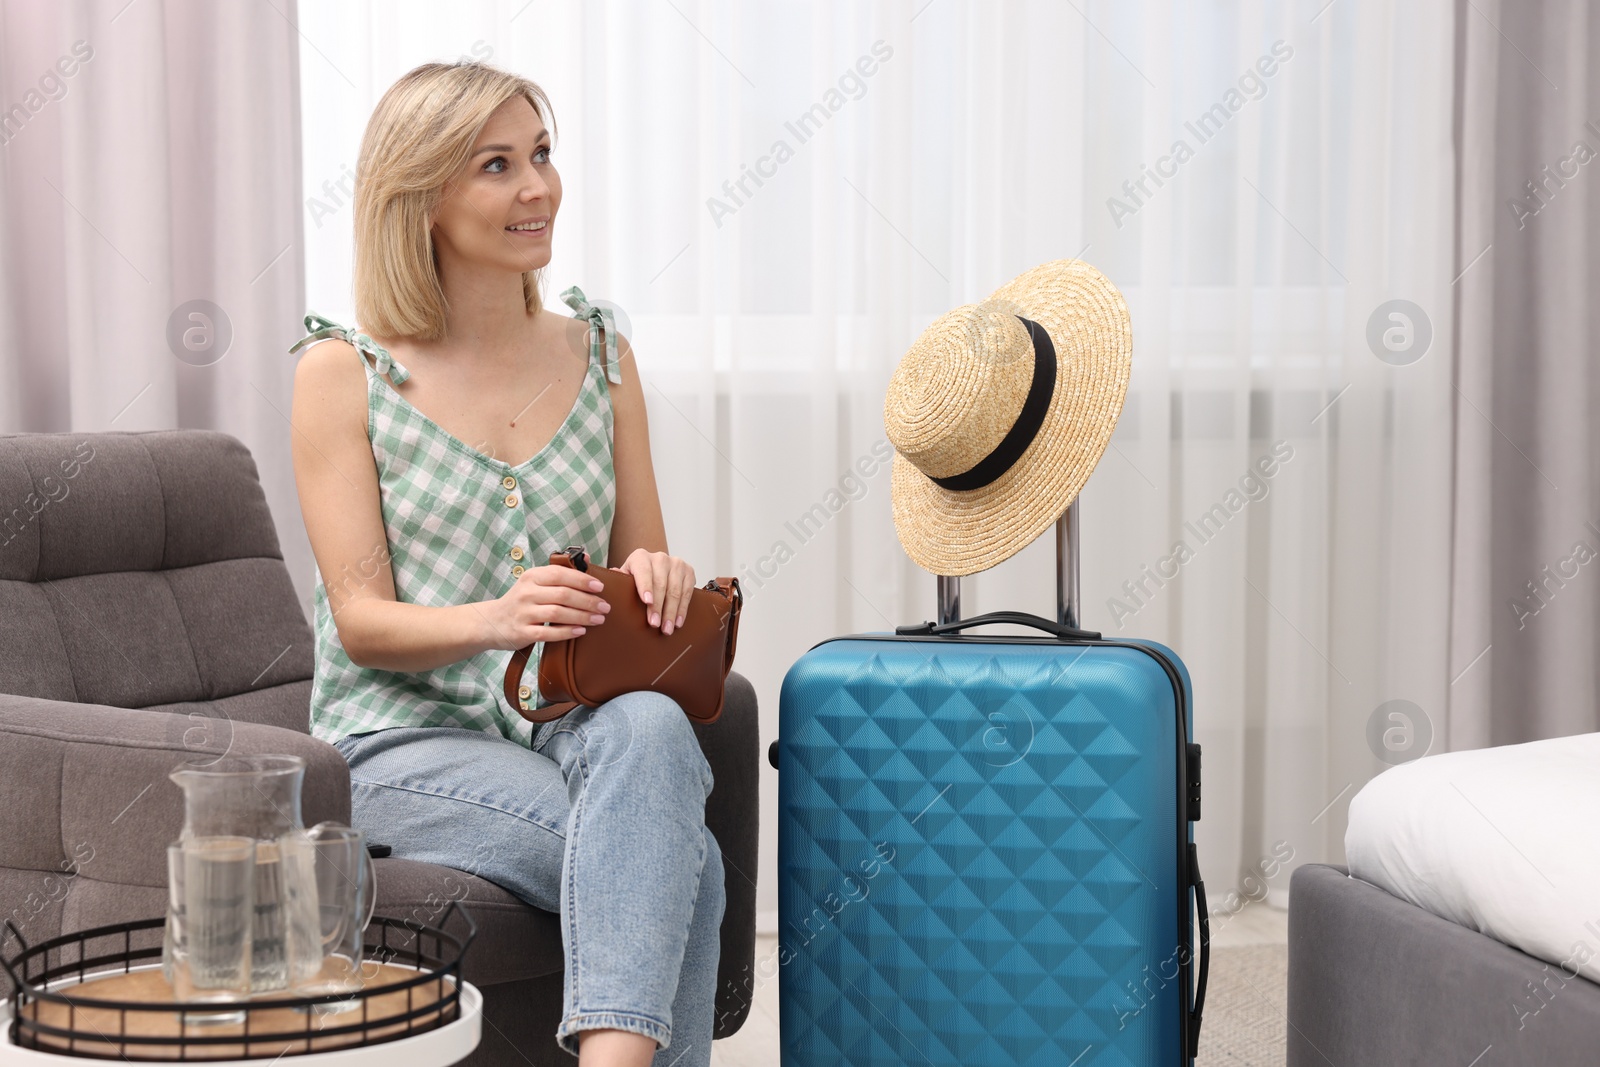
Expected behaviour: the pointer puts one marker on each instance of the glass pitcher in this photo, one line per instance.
(258, 797)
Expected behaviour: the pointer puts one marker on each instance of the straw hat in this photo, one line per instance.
(998, 422)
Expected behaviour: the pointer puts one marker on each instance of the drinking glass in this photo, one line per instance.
(211, 915)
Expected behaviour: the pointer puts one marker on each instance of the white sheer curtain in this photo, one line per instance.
(951, 145)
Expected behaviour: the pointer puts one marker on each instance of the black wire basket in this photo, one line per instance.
(51, 1013)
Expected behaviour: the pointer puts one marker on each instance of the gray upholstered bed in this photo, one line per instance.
(1374, 980)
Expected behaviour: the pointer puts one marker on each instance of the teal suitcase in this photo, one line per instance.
(985, 846)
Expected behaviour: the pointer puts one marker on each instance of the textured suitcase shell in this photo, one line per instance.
(985, 853)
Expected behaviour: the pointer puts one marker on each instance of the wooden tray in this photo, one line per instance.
(273, 1031)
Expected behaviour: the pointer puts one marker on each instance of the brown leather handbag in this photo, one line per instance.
(626, 654)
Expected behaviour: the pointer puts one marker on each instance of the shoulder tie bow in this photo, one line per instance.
(602, 331)
(321, 328)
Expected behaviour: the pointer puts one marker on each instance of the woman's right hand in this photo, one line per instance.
(564, 597)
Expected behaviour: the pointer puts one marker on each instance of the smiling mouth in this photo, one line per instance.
(531, 228)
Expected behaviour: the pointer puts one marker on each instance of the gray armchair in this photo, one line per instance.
(146, 614)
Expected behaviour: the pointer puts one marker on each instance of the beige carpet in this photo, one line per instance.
(1245, 1007)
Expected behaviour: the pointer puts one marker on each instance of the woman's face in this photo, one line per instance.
(499, 210)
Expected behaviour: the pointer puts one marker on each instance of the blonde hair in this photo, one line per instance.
(419, 137)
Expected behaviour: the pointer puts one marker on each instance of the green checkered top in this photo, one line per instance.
(457, 523)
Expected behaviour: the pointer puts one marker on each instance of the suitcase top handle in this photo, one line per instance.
(1019, 618)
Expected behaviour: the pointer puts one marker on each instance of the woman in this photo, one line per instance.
(428, 553)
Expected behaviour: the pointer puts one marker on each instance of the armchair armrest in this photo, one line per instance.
(732, 746)
(87, 809)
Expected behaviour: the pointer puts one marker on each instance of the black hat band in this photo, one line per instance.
(1025, 429)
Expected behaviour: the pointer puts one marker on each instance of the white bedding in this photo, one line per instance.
(1505, 841)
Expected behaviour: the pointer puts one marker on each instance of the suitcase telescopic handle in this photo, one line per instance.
(1069, 608)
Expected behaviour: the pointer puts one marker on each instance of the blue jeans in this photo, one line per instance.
(603, 821)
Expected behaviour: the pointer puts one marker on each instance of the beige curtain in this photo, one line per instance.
(1525, 577)
(150, 233)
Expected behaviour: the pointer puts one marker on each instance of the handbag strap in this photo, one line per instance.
(514, 668)
(549, 711)
(574, 557)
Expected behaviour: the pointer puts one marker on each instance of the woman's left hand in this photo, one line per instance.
(664, 582)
